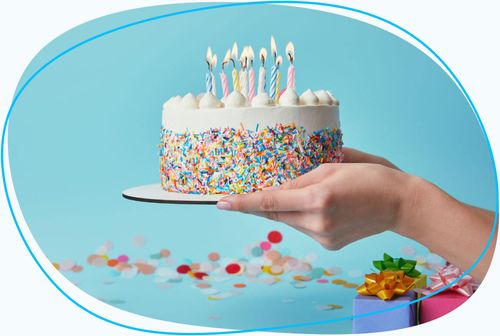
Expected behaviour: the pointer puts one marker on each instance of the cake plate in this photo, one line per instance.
(153, 193)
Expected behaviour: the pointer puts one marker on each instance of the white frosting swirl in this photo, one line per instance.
(199, 96)
(334, 100)
(324, 97)
(289, 98)
(235, 99)
(309, 98)
(173, 102)
(262, 99)
(189, 101)
(209, 101)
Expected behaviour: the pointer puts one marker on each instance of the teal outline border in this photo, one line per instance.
(206, 8)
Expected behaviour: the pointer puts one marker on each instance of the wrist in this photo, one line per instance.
(415, 198)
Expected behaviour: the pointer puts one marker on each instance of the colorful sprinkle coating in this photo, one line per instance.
(235, 161)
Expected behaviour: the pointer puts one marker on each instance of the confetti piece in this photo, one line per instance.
(339, 282)
(165, 253)
(350, 285)
(266, 246)
(214, 256)
(322, 281)
(233, 268)
(274, 237)
(112, 262)
(56, 265)
(329, 307)
(239, 285)
(183, 269)
(77, 268)
(122, 258)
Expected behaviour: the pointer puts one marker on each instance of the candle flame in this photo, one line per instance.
(279, 60)
(234, 51)
(227, 58)
(290, 52)
(263, 55)
(274, 50)
(214, 61)
(209, 55)
(243, 57)
(250, 53)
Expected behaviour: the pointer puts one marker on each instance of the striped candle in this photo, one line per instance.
(251, 84)
(208, 82)
(274, 76)
(278, 84)
(236, 81)
(291, 77)
(223, 80)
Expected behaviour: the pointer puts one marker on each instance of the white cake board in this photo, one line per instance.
(153, 193)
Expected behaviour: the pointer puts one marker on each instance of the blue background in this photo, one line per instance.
(87, 127)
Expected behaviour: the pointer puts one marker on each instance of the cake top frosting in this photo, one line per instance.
(245, 82)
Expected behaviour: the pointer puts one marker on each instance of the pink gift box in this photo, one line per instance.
(439, 305)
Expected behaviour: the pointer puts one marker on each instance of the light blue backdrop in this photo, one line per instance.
(87, 127)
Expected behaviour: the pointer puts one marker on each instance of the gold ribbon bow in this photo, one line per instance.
(386, 284)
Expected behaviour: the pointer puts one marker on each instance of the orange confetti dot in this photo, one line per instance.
(339, 282)
(239, 285)
(56, 265)
(165, 253)
(77, 268)
(214, 256)
(112, 262)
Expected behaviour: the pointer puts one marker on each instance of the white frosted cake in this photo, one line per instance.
(232, 146)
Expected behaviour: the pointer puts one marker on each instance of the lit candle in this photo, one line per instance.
(208, 77)
(243, 72)
(251, 75)
(279, 60)
(234, 73)
(223, 78)
(212, 68)
(262, 71)
(274, 70)
(290, 52)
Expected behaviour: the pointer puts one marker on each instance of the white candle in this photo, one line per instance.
(243, 72)
(262, 71)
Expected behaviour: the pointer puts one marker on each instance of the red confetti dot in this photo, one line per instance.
(183, 269)
(233, 268)
(200, 275)
(274, 237)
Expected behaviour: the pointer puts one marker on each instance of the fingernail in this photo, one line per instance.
(223, 205)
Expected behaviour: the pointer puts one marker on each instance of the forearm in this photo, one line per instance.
(456, 231)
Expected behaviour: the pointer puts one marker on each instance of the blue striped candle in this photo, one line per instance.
(274, 75)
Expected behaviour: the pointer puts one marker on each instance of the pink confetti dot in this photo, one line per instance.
(265, 245)
(123, 258)
(322, 281)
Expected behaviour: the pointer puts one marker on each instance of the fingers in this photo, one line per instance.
(269, 200)
(314, 176)
(352, 155)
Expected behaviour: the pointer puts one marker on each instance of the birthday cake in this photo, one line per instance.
(244, 142)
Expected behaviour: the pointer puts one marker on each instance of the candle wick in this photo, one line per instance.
(290, 56)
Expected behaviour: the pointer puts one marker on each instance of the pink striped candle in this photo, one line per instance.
(225, 88)
(251, 84)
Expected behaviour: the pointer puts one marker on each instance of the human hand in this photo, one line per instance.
(336, 203)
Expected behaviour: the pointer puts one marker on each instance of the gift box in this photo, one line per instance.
(381, 292)
(439, 305)
(460, 288)
(403, 317)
